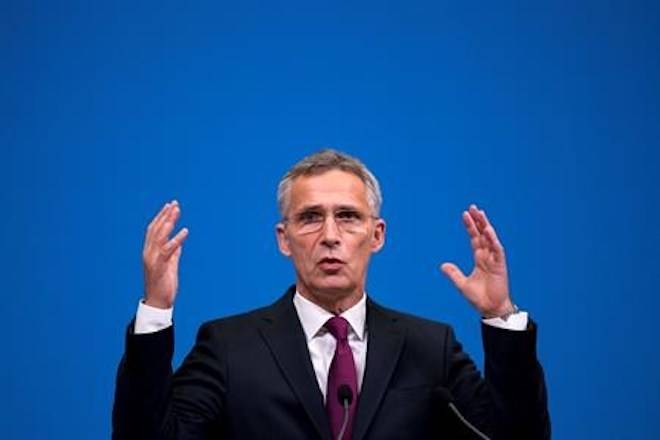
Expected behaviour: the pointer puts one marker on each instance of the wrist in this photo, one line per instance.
(503, 312)
(159, 304)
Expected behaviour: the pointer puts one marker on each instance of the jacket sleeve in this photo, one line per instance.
(152, 403)
(511, 401)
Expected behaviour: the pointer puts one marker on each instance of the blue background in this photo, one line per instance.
(544, 113)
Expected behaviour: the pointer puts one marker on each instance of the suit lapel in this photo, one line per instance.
(384, 347)
(284, 336)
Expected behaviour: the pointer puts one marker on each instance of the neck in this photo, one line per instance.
(334, 301)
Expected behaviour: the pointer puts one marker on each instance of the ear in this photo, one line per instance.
(378, 236)
(282, 239)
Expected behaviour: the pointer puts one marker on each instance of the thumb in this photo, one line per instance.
(454, 274)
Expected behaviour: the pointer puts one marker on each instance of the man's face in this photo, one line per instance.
(330, 234)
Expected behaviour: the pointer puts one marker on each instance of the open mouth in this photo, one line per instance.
(330, 264)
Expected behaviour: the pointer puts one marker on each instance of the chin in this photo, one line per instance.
(334, 286)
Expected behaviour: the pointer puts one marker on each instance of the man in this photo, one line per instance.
(325, 361)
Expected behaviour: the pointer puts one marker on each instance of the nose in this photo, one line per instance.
(330, 233)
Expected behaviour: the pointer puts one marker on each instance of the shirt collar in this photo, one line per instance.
(313, 317)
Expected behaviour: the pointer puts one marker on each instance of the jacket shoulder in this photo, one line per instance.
(234, 324)
(414, 325)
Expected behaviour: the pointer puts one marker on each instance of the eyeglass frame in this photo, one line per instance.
(322, 223)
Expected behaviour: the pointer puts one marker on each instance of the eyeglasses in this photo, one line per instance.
(312, 220)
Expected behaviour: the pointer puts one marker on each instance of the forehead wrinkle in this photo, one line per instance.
(327, 200)
(334, 187)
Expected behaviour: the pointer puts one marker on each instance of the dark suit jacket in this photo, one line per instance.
(250, 377)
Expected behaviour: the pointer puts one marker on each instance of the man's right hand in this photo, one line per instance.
(160, 257)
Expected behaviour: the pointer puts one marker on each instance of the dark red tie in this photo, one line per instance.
(342, 372)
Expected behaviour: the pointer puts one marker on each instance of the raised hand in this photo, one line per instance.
(160, 257)
(487, 287)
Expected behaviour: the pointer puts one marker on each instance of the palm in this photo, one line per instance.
(163, 278)
(487, 286)
(161, 257)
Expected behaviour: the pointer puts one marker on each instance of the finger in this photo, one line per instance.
(454, 274)
(483, 219)
(175, 243)
(157, 224)
(489, 229)
(176, 255)
(163, 218)
(156, 219)
(167, 225)
(491, 234)
(479, 242)
(486, 220)
(160, 214)
(494, 243)
(477, 217)
(470, 226)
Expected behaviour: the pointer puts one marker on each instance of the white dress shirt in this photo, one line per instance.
(320, 342)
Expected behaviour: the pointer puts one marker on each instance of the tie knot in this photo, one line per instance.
(338, 326)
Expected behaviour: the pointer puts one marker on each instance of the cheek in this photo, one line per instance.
(301, 252)
(362, 249)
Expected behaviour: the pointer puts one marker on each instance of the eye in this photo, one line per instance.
(348, 215)
(309, 217)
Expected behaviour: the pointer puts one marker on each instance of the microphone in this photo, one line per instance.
(445, 397)
(345, 397)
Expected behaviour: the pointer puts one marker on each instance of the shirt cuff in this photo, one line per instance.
(150, 319)
(517, 322)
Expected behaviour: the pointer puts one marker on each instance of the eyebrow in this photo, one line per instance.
(320, 208)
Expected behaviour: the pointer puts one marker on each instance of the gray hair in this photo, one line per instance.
(326, 160)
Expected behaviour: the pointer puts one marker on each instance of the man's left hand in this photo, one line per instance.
(487, 287)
